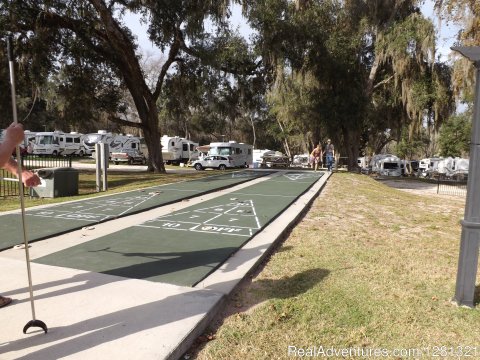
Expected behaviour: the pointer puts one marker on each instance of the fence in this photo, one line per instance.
(30, 162)
(452, 187)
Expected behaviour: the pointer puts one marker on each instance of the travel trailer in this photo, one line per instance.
(386, 165)
(274, 159)
(453, 167)
(269, 158)
(242, 154)
(121, 143)
(57, 143)
(362, 162)
(127, 149)
(176, 150)
(257, 156)
(410, 167)
(302, 160)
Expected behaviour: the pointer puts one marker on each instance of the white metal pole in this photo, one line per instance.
(34, 321)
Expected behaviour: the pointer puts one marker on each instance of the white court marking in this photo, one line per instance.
(94, 210)
(218, 219)
(299, 176)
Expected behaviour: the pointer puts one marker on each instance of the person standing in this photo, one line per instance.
(14, 136)
(316, 156)
(329, 154)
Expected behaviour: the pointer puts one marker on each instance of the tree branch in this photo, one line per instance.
(383, 82)
(123, 122)
(174, 49)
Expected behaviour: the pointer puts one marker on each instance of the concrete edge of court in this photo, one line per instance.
(246, 260)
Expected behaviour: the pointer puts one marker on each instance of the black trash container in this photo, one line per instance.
(56, 182)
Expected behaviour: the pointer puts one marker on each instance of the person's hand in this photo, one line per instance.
(30, 179)
(14, 134)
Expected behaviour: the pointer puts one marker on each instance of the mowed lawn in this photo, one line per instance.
(369, 267)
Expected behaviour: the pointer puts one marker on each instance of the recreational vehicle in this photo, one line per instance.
(363, 162)
(29, 137)
(122, 143)
(410, 167)
(427, 166)
(127, 149)
(57, 143)
(386, 165)
(257, 156)
(274, 159)
(176, 150)
(91, 139)
(453, 167)
(302, 160)
(242, 154)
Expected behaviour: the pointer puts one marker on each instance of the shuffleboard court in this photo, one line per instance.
(58, 219)
(185, 246)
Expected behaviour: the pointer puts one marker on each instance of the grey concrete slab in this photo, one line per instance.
(95, 316)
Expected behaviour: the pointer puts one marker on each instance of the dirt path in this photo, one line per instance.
(422, 188)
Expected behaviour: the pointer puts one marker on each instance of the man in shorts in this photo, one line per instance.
(329, 155)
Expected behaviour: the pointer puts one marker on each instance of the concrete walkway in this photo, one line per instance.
(92, 315)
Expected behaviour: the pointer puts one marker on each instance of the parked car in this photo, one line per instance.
(131, 157)
(214, 162)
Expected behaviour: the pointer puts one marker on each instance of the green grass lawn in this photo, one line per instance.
(368, 267)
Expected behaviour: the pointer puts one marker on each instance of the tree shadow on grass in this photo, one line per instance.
(290, 286)
(249, 295)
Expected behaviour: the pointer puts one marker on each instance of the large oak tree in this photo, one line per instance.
(60, 34)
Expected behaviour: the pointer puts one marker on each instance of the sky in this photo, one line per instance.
(445, 37)
(140, 30)
(446, 33)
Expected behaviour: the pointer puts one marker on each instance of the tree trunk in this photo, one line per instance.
(351, 145)
(253, 130)
(155, 159)
(151, 132)
(144, 100)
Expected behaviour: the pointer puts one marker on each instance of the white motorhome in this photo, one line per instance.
(91, 139)
(28, 141)
(176, 150)
(57, 143)
(242, 154)
(29, 138)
